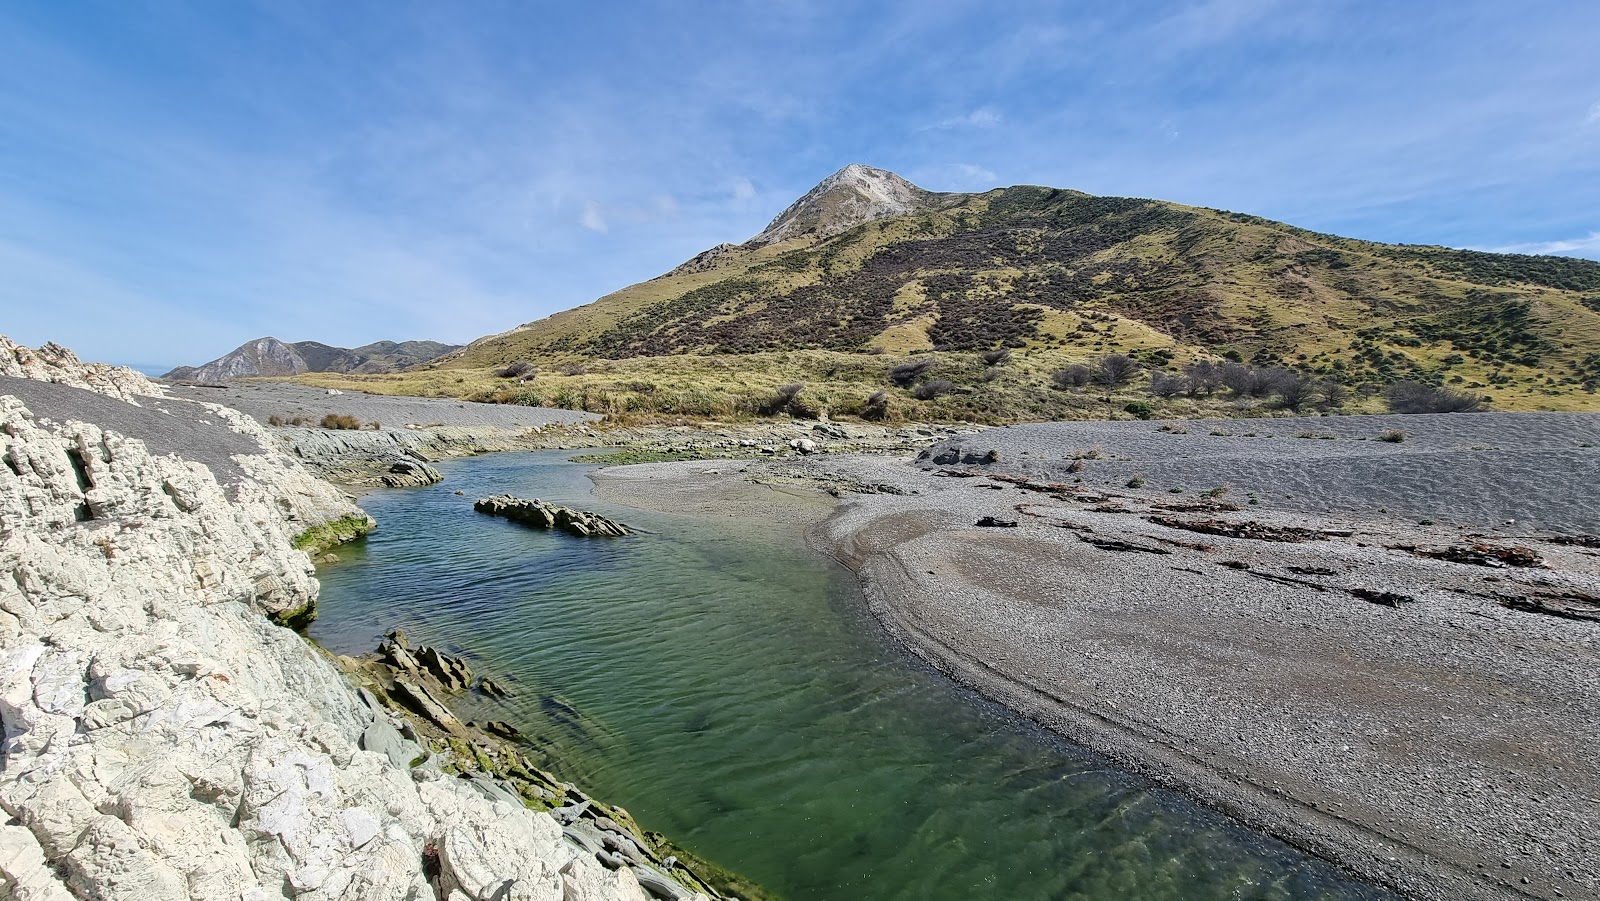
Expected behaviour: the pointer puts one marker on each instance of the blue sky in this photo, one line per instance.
(176, 178)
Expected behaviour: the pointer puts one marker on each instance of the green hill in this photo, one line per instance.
(869, 264)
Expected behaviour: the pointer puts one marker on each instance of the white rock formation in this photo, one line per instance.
(54, 363)
(163, 740)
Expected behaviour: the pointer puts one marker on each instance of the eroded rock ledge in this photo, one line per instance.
(421, 688)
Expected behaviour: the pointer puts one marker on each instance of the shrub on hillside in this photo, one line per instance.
(521, 369)
(996, 357)
(933, 388)
(1415, 397)
(1116, 370)
(1334, 393)
(1201, 377)
(1293, 390)
(1140, 409)
(341, 421)
(908, 372)
(786, 399)
(1075, 376)
(877, 407)
(1168, 384)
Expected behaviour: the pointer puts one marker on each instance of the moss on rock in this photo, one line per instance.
(345, 529)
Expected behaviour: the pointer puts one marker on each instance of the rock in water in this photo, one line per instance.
(537, 513)
(411, 474)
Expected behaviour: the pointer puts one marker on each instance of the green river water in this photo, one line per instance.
(727, 686)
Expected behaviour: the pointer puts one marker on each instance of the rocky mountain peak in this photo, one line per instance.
(271, 357)
(844, 200)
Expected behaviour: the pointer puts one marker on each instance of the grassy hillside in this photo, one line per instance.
(1058, 277)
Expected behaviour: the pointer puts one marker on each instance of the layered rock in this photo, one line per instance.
(163, 738)
(410, 474)
(537, 513)
(425, 681)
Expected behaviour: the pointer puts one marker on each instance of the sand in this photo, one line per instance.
(1443, 746)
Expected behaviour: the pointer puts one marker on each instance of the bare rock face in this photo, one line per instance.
(850, 197)
(261, 357)
(162, 739)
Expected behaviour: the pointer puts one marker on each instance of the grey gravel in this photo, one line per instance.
(266, 399)
(1540, 469)
(1443, 747)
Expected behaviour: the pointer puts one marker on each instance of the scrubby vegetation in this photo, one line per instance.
(1411, 397)
(340, 421)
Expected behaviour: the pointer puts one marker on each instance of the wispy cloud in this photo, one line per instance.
(954, 177)
(743, 189)
(1594, 114)
(1586, 246)
(982, 117)
(1211, 21)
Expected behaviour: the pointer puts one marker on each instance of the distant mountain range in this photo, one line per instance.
(867, 261)
(265, 357)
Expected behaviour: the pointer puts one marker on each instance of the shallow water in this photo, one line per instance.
(726, 686)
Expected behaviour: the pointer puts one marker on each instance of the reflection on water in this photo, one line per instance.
(726, 686)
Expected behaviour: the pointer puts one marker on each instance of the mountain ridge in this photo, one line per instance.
(269, 357)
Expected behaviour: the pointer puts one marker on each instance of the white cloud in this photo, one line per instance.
(954, 177)
(743, 189)
(1588, 246)
(594, 217)
(1212, 21)
(982, 117)
(1594, 114)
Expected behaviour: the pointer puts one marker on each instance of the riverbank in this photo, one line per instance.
(389, 441)
(1418, 720)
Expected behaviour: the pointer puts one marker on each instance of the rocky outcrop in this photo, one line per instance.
(58, 365)
(393, 458)
(537, 513)
(162, 738)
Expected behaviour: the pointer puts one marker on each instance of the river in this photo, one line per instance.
(727, 686)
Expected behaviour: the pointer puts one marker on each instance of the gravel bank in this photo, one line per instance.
(265, 399)
(1347, 693)
(1539, 469)
(408, 431)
